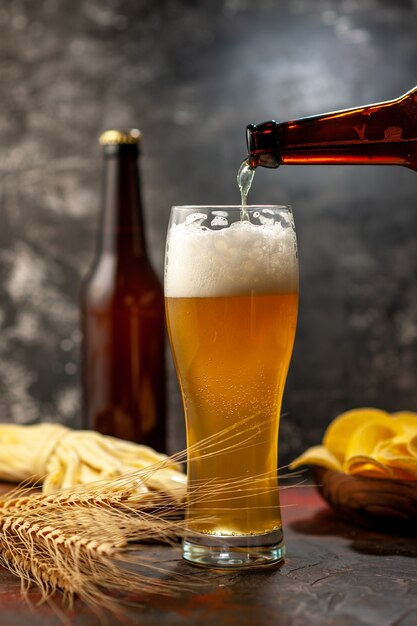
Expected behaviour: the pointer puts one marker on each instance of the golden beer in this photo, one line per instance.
(231, 305)
(232, 355)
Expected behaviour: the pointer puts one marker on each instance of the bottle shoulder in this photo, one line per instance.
(112, 281)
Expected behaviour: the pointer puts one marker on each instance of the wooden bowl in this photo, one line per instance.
(380, 504)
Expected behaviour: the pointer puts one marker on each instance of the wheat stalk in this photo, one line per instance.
(78, 544)
(78, 540)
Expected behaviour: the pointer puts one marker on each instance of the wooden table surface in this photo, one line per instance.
(334, 575)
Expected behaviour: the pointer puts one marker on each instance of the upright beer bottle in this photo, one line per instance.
(123, 310)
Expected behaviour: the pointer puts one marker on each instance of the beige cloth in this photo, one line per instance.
(60, 458)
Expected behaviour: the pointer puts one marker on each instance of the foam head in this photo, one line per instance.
(241, 259)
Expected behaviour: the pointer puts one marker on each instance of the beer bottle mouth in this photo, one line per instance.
(128, 136)
(263, 144)
(123, 142)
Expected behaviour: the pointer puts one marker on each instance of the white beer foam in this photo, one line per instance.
(242, 259)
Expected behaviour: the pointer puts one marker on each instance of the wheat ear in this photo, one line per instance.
(77, 540)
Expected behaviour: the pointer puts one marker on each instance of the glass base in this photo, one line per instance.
(234, 552)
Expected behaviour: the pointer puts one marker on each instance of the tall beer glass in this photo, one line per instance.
(231, 288)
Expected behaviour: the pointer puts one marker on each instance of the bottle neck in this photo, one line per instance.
(122, 230)
(383, 133)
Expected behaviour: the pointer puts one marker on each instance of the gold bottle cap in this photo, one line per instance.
(118, 137)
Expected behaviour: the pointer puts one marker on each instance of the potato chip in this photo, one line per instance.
(374, 469)
(394, 454)
(368, 442)
(338, 433)
(317, 455)
(366, 466)
(402, 468)
(368, 436)
(408, 421)
(412, 446)
(394, 447)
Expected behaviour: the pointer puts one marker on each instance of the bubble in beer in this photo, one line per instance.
(218, 220)
(195, 219)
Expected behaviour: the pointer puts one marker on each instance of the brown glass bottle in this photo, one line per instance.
(382, 134)
(123, 310)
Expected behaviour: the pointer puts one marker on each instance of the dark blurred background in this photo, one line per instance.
(192, 75)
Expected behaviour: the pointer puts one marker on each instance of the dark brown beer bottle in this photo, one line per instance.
(123, 310)
(383, 134)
